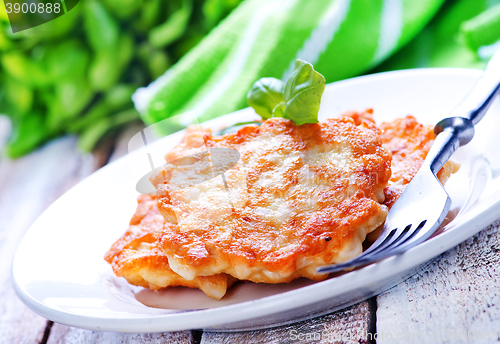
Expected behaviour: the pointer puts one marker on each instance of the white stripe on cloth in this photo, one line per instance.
(239, 59)
(391, 28)
(143, 96)
(491, 3)
(322, 35)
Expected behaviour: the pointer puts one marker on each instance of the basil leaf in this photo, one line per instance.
(264, 95)
(279, 110)
(303, 92)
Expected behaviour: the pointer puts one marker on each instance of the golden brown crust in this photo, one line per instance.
(137, 257)
(300, 196)
(409, 142)
(360, 117)
(292, 205)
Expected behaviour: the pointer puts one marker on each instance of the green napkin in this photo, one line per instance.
(462, 34)
(263, 38)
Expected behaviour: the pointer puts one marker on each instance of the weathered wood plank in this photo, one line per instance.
(5, 127)
(455, 298)
(121, 146)
(28, 186)
(350, 325)
(61, 334)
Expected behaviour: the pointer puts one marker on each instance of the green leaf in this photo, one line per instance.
(265, 95)
(303, 92)
(279, 110)
(298, 100)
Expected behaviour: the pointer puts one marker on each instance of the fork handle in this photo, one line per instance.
(479, 99)
(458, 130)
(451, 133)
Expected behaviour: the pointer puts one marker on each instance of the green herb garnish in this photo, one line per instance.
(298, 100)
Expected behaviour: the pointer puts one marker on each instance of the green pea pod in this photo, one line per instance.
(23, 69)
(124, 9)
(173, 28)
(264, 95)
(28, 133)
(70, 98)
(58, 28)
(125, 49)
(104, 71)
(188, 41)
(18, 95)
(155, 60)
(303, 92)
(215, 10)
(107, 67)
(125, 116)
(158, 64)
(482, 30)
(95, 113)
(150, 15)
(67, 60)
(91, 136)
(120, 96)
(101, 28)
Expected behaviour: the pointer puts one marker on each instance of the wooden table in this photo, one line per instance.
(452, 296)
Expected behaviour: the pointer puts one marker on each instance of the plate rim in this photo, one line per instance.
(317, 292)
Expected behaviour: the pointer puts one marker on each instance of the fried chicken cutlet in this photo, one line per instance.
(137, 257)
(409, 142)
(298, 198)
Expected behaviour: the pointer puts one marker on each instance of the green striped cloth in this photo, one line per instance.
(464, 34)
(263, 38)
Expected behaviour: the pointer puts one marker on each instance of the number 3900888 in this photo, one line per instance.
(33, 8)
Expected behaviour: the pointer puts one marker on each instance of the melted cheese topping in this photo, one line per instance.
(299, 197)
(137, 257)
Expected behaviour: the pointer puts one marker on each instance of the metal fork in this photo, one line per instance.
(423, 205)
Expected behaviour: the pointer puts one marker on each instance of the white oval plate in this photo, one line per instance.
(59, 271)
